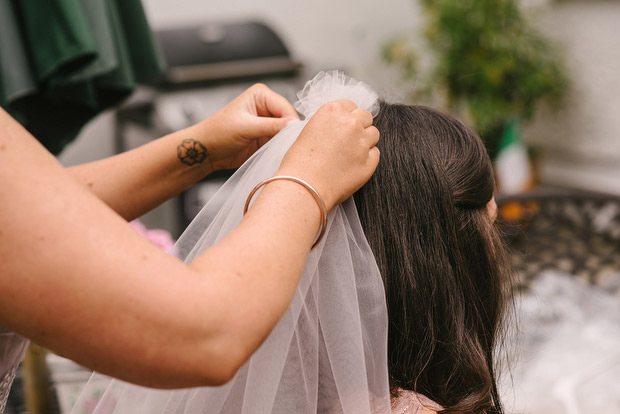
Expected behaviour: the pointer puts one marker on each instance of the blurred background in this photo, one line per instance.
(538, 79)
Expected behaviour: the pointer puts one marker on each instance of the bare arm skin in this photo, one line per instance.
(134, 182)
(76, 279)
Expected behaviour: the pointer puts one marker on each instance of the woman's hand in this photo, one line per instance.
(137, 181)
(236, 131)
(335, 152)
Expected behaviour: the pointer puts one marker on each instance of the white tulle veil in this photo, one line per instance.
(328, 353)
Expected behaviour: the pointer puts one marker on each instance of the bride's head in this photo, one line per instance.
(428, 213)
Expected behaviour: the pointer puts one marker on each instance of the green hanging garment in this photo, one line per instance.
(16, 78)
(64, 61)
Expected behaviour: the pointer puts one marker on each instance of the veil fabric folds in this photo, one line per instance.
(328, 353)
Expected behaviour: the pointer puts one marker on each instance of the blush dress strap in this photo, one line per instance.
(410, 402)
(12, 350)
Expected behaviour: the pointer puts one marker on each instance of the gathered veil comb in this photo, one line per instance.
(328, 353)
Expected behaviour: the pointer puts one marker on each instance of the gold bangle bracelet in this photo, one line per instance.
(315, 194)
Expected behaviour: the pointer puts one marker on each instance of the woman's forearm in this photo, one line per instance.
(135, 182)
(178, 325)
(76, 279)
(270, 248)
(240, 289)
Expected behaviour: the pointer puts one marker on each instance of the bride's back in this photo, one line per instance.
(426, 216)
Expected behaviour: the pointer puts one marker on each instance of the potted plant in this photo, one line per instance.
(489, 65)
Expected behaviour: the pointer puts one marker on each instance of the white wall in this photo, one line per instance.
(581, 144)
(96, 141)
(322, 34)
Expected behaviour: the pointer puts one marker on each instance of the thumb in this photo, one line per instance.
(268, 127)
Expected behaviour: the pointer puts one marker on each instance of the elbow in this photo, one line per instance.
(226, 371)
(193, 370)
(224, 364)
(223, 377)
(198, 365)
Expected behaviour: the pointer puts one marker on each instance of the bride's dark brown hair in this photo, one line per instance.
(424, 213)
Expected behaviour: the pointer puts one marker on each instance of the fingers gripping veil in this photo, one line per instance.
(328, 353)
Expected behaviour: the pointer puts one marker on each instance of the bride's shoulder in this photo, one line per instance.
(410, 402)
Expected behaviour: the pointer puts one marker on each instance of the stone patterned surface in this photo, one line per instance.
(574, 234)
(563, 340)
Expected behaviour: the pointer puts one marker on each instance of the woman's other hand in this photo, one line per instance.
(235, 132)
(137, 181)
(335, 152)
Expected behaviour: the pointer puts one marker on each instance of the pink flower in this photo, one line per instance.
(158, 237)
(100, 401)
